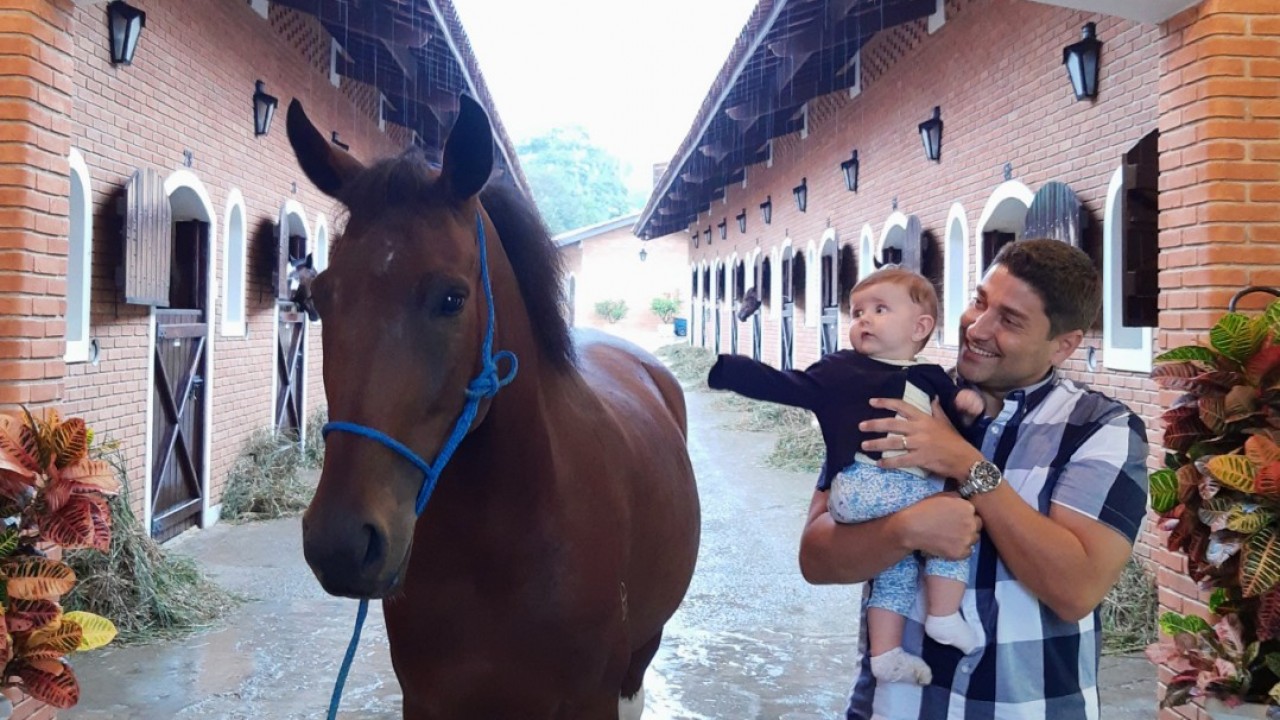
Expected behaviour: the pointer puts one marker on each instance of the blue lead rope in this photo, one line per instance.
(485, 385)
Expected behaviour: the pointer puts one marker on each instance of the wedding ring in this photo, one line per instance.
(904, 443)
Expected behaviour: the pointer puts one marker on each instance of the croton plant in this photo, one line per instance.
(53, 495)
(1219, 498)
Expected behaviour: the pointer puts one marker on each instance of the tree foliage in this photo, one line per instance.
(575, 182)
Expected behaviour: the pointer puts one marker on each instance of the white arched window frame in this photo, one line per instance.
(79, 260)
(1006, 210)
(893, 234)
(235, 264)
(866, 251)
(1123, 348)
(955, 284)
(320, 261)
(812, 285)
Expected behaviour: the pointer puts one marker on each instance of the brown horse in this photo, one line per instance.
(562, 535)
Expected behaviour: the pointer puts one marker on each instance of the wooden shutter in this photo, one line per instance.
(1055, 214)
(1140, 242)
(148, 244)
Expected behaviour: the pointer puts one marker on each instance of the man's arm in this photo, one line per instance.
(1067, 559)
(833, 553)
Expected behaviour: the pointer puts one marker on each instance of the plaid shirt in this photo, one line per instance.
(1056, 442)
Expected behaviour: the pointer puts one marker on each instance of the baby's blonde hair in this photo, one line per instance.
(918, 287)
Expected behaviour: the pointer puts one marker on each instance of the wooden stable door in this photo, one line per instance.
(290, 371)
(177, 437)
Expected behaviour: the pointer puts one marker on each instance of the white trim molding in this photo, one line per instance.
(235, 266)
(866, 251)
(1001, 213)
(955, 283)
(1123, 348)
(79, 261)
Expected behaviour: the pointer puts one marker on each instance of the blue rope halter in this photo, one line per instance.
(484, 385)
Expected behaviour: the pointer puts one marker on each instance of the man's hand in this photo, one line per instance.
(943, 525)
(929, 441)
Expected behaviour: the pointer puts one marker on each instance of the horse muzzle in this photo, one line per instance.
(352, 558)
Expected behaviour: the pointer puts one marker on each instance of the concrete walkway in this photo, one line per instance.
(751, 641)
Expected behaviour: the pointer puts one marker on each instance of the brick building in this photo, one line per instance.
(607, 261)
(1168, 177)
(148, 233)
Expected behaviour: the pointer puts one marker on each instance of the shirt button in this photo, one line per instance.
(965, 668)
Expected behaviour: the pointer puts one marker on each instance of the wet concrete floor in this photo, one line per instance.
(752, 639)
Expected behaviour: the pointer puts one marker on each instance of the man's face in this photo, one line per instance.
(1006, 343)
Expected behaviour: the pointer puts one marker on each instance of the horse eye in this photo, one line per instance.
(452, 303)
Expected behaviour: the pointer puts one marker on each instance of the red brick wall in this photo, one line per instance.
(1219, 204)
(1003, 101)
(35, 100)
(190, 88)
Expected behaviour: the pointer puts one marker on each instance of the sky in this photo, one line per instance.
(633, 73)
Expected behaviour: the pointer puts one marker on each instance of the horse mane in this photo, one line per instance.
(405, 180)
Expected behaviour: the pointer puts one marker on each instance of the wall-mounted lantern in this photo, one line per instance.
(723, 226)
(1082, 59)
(264, 108)
(124, 24)
(766, 209)
(931, 135)
(644, 254)
(338, 141)
(706, 235)
(742, 221)
(801, 193)
(850, 169)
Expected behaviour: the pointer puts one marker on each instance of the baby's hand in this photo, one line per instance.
(969, 405)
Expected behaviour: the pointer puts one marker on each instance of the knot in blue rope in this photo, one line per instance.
(488, 383)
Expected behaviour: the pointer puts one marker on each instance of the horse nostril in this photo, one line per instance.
(376, 547)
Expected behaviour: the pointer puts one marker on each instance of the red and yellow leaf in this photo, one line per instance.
(1260, 563)
(31, 615)
(1235, 471)
(91, 476)
(1260, 367)
(1178, 375)
(72, 526)
(1261, 450)
(52, 643)
(69, 442)
(19, 450)
(37, 578)
(95, 630)
(1268, 615)
(61, 690)
(1241, 402)
(1213, 412)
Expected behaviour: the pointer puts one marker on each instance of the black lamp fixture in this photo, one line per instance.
(337, 141)
(264, 108)
(766, 209)
(742, 221)
(801, 192)
(1081, 59)
(931, 135)
(706, 235)
(850, 169)
(724, 229)
(124, 23)
(644, 254)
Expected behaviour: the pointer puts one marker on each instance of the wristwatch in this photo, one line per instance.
(984, 477)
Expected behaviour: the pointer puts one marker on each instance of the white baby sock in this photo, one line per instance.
(897, 666)
(951, 630)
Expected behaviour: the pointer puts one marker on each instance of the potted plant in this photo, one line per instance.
(612, 310)
(53, 497)
(1219, 499)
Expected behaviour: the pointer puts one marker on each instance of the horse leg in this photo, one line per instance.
(631, 697)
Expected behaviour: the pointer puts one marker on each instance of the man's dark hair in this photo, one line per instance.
(1062, 275)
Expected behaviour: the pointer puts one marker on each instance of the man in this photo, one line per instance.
(1048, 508)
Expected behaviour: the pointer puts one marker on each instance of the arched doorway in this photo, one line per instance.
(706, 303)
(955, 284)
(291, 324)
(719, 294)
(829, 330)
(787, 336)
(181, 385)
(739, 289)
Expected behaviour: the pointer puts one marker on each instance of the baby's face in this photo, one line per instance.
(886, 322)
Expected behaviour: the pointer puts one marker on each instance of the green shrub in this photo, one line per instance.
(612, 310)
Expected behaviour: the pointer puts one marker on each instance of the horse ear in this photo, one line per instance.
(468, 153)
(327, 166)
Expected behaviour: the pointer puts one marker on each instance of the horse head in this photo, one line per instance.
(404, 316)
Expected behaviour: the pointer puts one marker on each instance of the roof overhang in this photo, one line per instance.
(571, 237)
(418, 56)
(790, 52)
(1143, 11)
